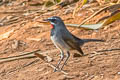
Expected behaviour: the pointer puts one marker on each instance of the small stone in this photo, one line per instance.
(119, 73)
(49, 59)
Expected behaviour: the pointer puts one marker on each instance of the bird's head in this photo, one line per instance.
(55, 21)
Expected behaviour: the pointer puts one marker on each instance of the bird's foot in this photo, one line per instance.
(56, 69)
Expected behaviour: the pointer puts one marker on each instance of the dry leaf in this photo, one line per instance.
(113, 18)
(87, 26)
(34, 39)
(6, 35)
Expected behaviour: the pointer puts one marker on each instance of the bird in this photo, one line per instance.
(64, 40)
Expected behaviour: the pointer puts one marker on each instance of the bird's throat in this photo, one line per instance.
(52, 26)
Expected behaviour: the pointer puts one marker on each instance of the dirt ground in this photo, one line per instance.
(104, 65)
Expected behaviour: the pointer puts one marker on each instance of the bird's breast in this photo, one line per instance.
(59, 42)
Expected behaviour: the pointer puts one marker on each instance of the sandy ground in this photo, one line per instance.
(104, 65)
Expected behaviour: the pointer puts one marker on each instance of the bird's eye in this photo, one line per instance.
(53, 20)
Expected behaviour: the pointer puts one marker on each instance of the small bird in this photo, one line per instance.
(64, 40)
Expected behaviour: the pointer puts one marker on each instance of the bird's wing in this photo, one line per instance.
(73, 42)
(79, 41)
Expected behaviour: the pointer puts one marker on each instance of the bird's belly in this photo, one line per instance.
(60, 43)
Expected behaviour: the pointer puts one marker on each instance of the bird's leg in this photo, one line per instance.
(67, 57)
(61, 59)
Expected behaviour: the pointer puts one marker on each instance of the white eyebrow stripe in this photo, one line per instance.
(52, 18)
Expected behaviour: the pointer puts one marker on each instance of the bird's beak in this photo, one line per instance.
(47, 20)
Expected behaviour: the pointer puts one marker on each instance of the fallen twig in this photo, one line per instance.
(114, 49)
(100, 52)
(12, 12)
(22, 56)
(116, 6)
(26, 56)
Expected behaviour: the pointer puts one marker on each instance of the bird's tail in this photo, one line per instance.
(93, 40)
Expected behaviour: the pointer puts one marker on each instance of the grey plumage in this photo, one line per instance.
(64, 40)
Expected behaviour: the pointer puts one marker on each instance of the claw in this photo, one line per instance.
(55, 70)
